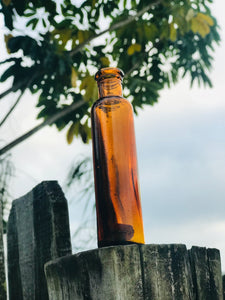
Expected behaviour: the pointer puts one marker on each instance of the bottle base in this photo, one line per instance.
(115, 243)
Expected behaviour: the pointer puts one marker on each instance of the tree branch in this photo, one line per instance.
(115, 26)
(15, 87)
(49, 121)
(11, 110)
(17, 101)
(135, 66)
(10, 90)
(23, 84)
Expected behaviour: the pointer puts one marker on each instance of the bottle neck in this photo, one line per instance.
(110, 87)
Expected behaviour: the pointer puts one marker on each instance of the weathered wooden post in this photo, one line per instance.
(223, 287)
(38, 231)
(2, 266)
(137, 272)
(206, 272)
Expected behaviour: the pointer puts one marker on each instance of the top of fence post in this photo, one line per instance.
(137, 272)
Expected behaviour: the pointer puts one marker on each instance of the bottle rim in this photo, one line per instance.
(109, 73)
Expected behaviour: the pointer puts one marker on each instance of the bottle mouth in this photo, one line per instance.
(109, 73)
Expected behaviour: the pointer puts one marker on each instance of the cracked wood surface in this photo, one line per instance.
(135, 272)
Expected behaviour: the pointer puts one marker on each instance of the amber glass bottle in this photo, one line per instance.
(119, 216)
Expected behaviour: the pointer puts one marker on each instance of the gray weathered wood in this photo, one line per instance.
(223, 287)
(166, 271)
(206, 267)
(149, 272)
(38, 231)
(2, 266)
(97, 274)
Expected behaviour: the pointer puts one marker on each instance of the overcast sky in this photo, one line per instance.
(181, 156)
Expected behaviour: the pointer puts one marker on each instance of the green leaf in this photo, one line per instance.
(70, 133)
(11, 59)
(43, 114)
(164, 31)
(63, 24)
(20, 6)
(206, 18)
(104, 61)
(35, 22)
(173, 33)
(89, 85)
(60, 124)
(31, 22)
(8, 73)
(85, 132)
(8, 17)
(151, 31)
(21, 42)
(133, 48)
(44, 23)
(6, 2)
(30, 14)
(73, 77)
(62, 67)
(201, 24)
(50, 6)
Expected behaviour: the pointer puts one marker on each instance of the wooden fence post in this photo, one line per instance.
(137, 272)
(38, 231)
(223, 287)
(2, 261)
(205, 265)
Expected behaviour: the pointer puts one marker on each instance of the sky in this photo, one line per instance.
(181, 157)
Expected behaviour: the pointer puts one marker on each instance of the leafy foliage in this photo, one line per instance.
(166, 41)
(81, 175)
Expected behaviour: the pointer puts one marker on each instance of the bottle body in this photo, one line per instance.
(118, 205)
